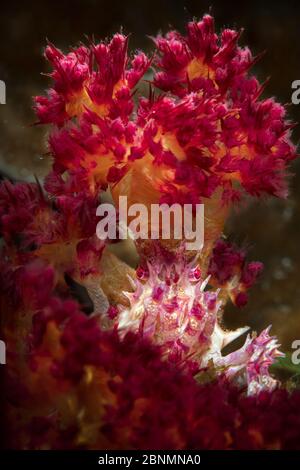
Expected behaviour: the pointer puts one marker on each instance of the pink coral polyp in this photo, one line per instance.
(209, 131)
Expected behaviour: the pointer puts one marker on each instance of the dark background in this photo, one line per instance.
(271, 228)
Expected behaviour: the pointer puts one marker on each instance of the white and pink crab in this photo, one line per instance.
(173, 307)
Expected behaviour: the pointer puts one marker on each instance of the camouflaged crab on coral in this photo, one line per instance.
(101, 355)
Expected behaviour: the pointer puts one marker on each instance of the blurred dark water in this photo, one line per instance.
(270, 228)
